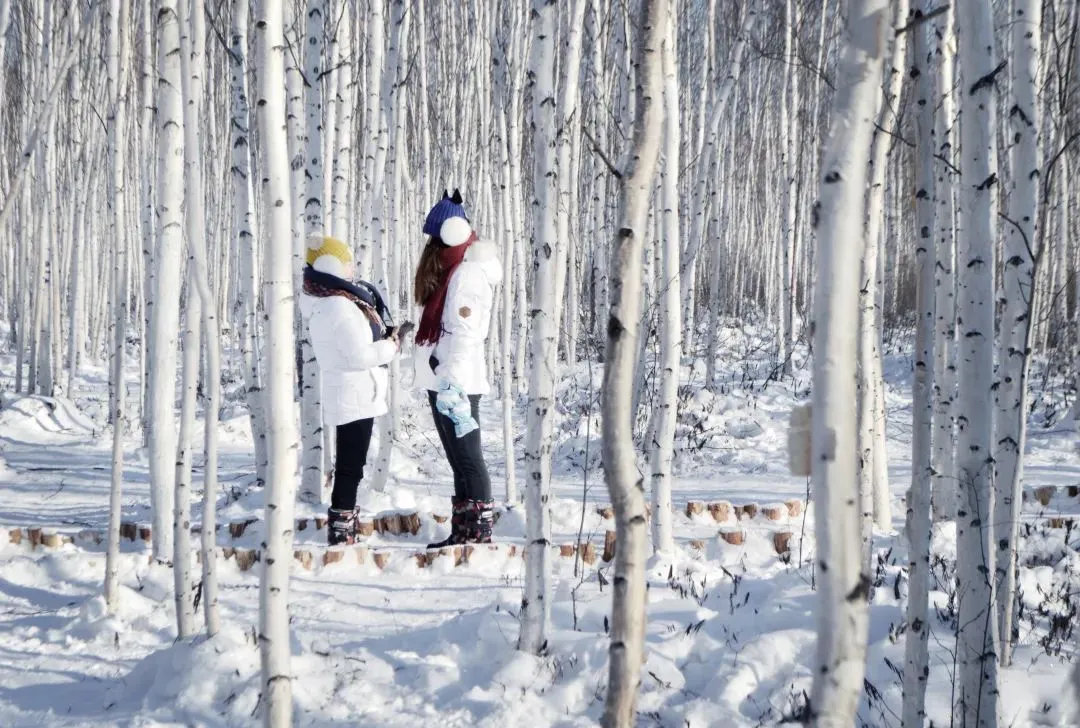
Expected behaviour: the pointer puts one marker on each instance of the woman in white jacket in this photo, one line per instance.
(454, 284)
(353, 342)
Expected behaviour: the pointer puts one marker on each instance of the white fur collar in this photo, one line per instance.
(486, 254)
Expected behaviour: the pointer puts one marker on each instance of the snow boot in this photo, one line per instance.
(479, 520)
(340, 527)
(455, 536)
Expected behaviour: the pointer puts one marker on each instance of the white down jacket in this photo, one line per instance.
(465, 322)
(354, 381)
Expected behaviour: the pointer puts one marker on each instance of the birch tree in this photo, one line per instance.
(845, 582)
(977, 696)
(620, 469)
(282, 436)
(536, 604)
(1017, 296)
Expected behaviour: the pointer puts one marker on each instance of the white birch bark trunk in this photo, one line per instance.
(663, 443)
(620, 469)
(1017, 289)
(977, 696)
(536, 604)
(281, 426)
(843, 611)
(165, 323)
(183, 593)
(115, 57)
(916, 647)
(945, 492)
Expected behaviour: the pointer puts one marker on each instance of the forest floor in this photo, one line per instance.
(731, 626)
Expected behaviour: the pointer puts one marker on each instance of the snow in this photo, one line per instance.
(731, 632)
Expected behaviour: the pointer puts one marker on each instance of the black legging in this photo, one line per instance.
(353, 440)
(471, 480)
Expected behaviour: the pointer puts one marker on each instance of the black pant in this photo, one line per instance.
(471, 481)
(353, 440)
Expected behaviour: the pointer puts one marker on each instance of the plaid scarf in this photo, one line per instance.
(324, 285)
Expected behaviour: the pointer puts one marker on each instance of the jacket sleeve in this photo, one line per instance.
(465, 319)
(356, 350)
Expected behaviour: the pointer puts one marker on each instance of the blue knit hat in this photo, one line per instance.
(446, 208)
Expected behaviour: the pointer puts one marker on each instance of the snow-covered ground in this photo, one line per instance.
(731, 628)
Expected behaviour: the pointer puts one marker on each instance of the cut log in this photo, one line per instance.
(34, 535)
(301, 524)
(440, 518)
(333, 555)
(145, 534)
(606, 512)
(775, 513)
(129, 530)
(1074, 490)
(459, 556)
(227, 552)
(237, 528)
(320, 523)
(390, 523)
(51, 540)
(750, 510)
(411, 522)
(246, 558)
(694, 508)
(361, 554)
(735, 536)
(567, 550)
(782, 541)
(381, 558)
(609, 546)
(1056, 522)
(304, 558)
(697, 544)
(15, 536)
(420, 558)
(794, 508)
(587, 549)
(1045, 494)
(720, 511)
(365, 528)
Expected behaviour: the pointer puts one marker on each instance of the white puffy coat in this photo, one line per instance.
(460, 349)
(354, 381)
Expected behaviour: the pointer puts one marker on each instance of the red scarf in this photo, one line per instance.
(431, 320)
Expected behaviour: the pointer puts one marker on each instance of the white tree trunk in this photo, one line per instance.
(663, 443)
(845, 583)
(1017, 279)
(536, 604)
(281, 427)
(916, 655)
(183, 592)
(620, 469)
(165, 323)
(977, 637)
(116, 54)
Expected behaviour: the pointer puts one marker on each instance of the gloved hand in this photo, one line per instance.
(452, 402)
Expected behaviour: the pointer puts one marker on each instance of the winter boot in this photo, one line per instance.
(456, 522)
(340, 527)
(479, 519)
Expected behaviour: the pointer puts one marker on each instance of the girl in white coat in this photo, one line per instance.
(454, 284)
(353, 342)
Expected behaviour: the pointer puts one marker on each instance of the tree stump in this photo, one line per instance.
(1056, 522)
(381, 559)
(365, 528)
(35, 537)
(588, 552)
(15, 536)
(1045, 494)
(720, 511)
(304, 558)
(390, 523)
(775, 513)
(420, 558)
(227, 552)
(609, 546)
(361, 554)
(750, 510)
(246, 558)
(694, 508)
(440, 518)
(145, 534)
(782, 541)
(697, 544)
(129, 530)
(606, 512)
(301, 524)
(320, 523)
(794, 507)
(51, 540)
(567, 550)
(735, 537)
(1074, 490)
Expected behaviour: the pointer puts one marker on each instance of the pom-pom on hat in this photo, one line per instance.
(328, 255)
(449, 207)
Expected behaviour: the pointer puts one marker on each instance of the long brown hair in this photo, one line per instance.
(429, 271)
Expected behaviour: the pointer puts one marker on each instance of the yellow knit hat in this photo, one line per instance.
(328, 255)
